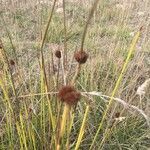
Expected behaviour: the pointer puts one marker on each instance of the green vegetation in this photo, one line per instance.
(74, 75)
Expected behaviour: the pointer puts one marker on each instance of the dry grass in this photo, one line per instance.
(31, 115)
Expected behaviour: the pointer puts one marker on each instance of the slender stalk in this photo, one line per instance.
(42, 44)
(58, 72)
(65, 35)
(77, 73)
(82, 129)
(83, 39)
(42, 64)
(65, 116)
(69, 127)
(88, 22)
(19, 135)
(23, 132)
(47, 26)
(37, 94)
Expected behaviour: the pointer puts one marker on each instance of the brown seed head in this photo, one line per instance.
(58, 54)
(1, 46)
(81, 57)
(12, 62)
(69, 95)
(117, 114)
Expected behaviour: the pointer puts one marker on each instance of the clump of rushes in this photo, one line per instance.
(69, 95)
(81, 56)
(58, 54)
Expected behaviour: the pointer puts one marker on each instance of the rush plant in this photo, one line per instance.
(59, 104)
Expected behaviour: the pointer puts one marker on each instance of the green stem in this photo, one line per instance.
(88, 22)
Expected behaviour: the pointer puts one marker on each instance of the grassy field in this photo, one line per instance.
(75, 75)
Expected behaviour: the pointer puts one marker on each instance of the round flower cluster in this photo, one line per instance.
(81, 56)
(69, 95)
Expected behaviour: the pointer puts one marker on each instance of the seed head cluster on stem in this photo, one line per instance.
(69, 95)
(81, 57)
(12, 62)
(58, 54)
